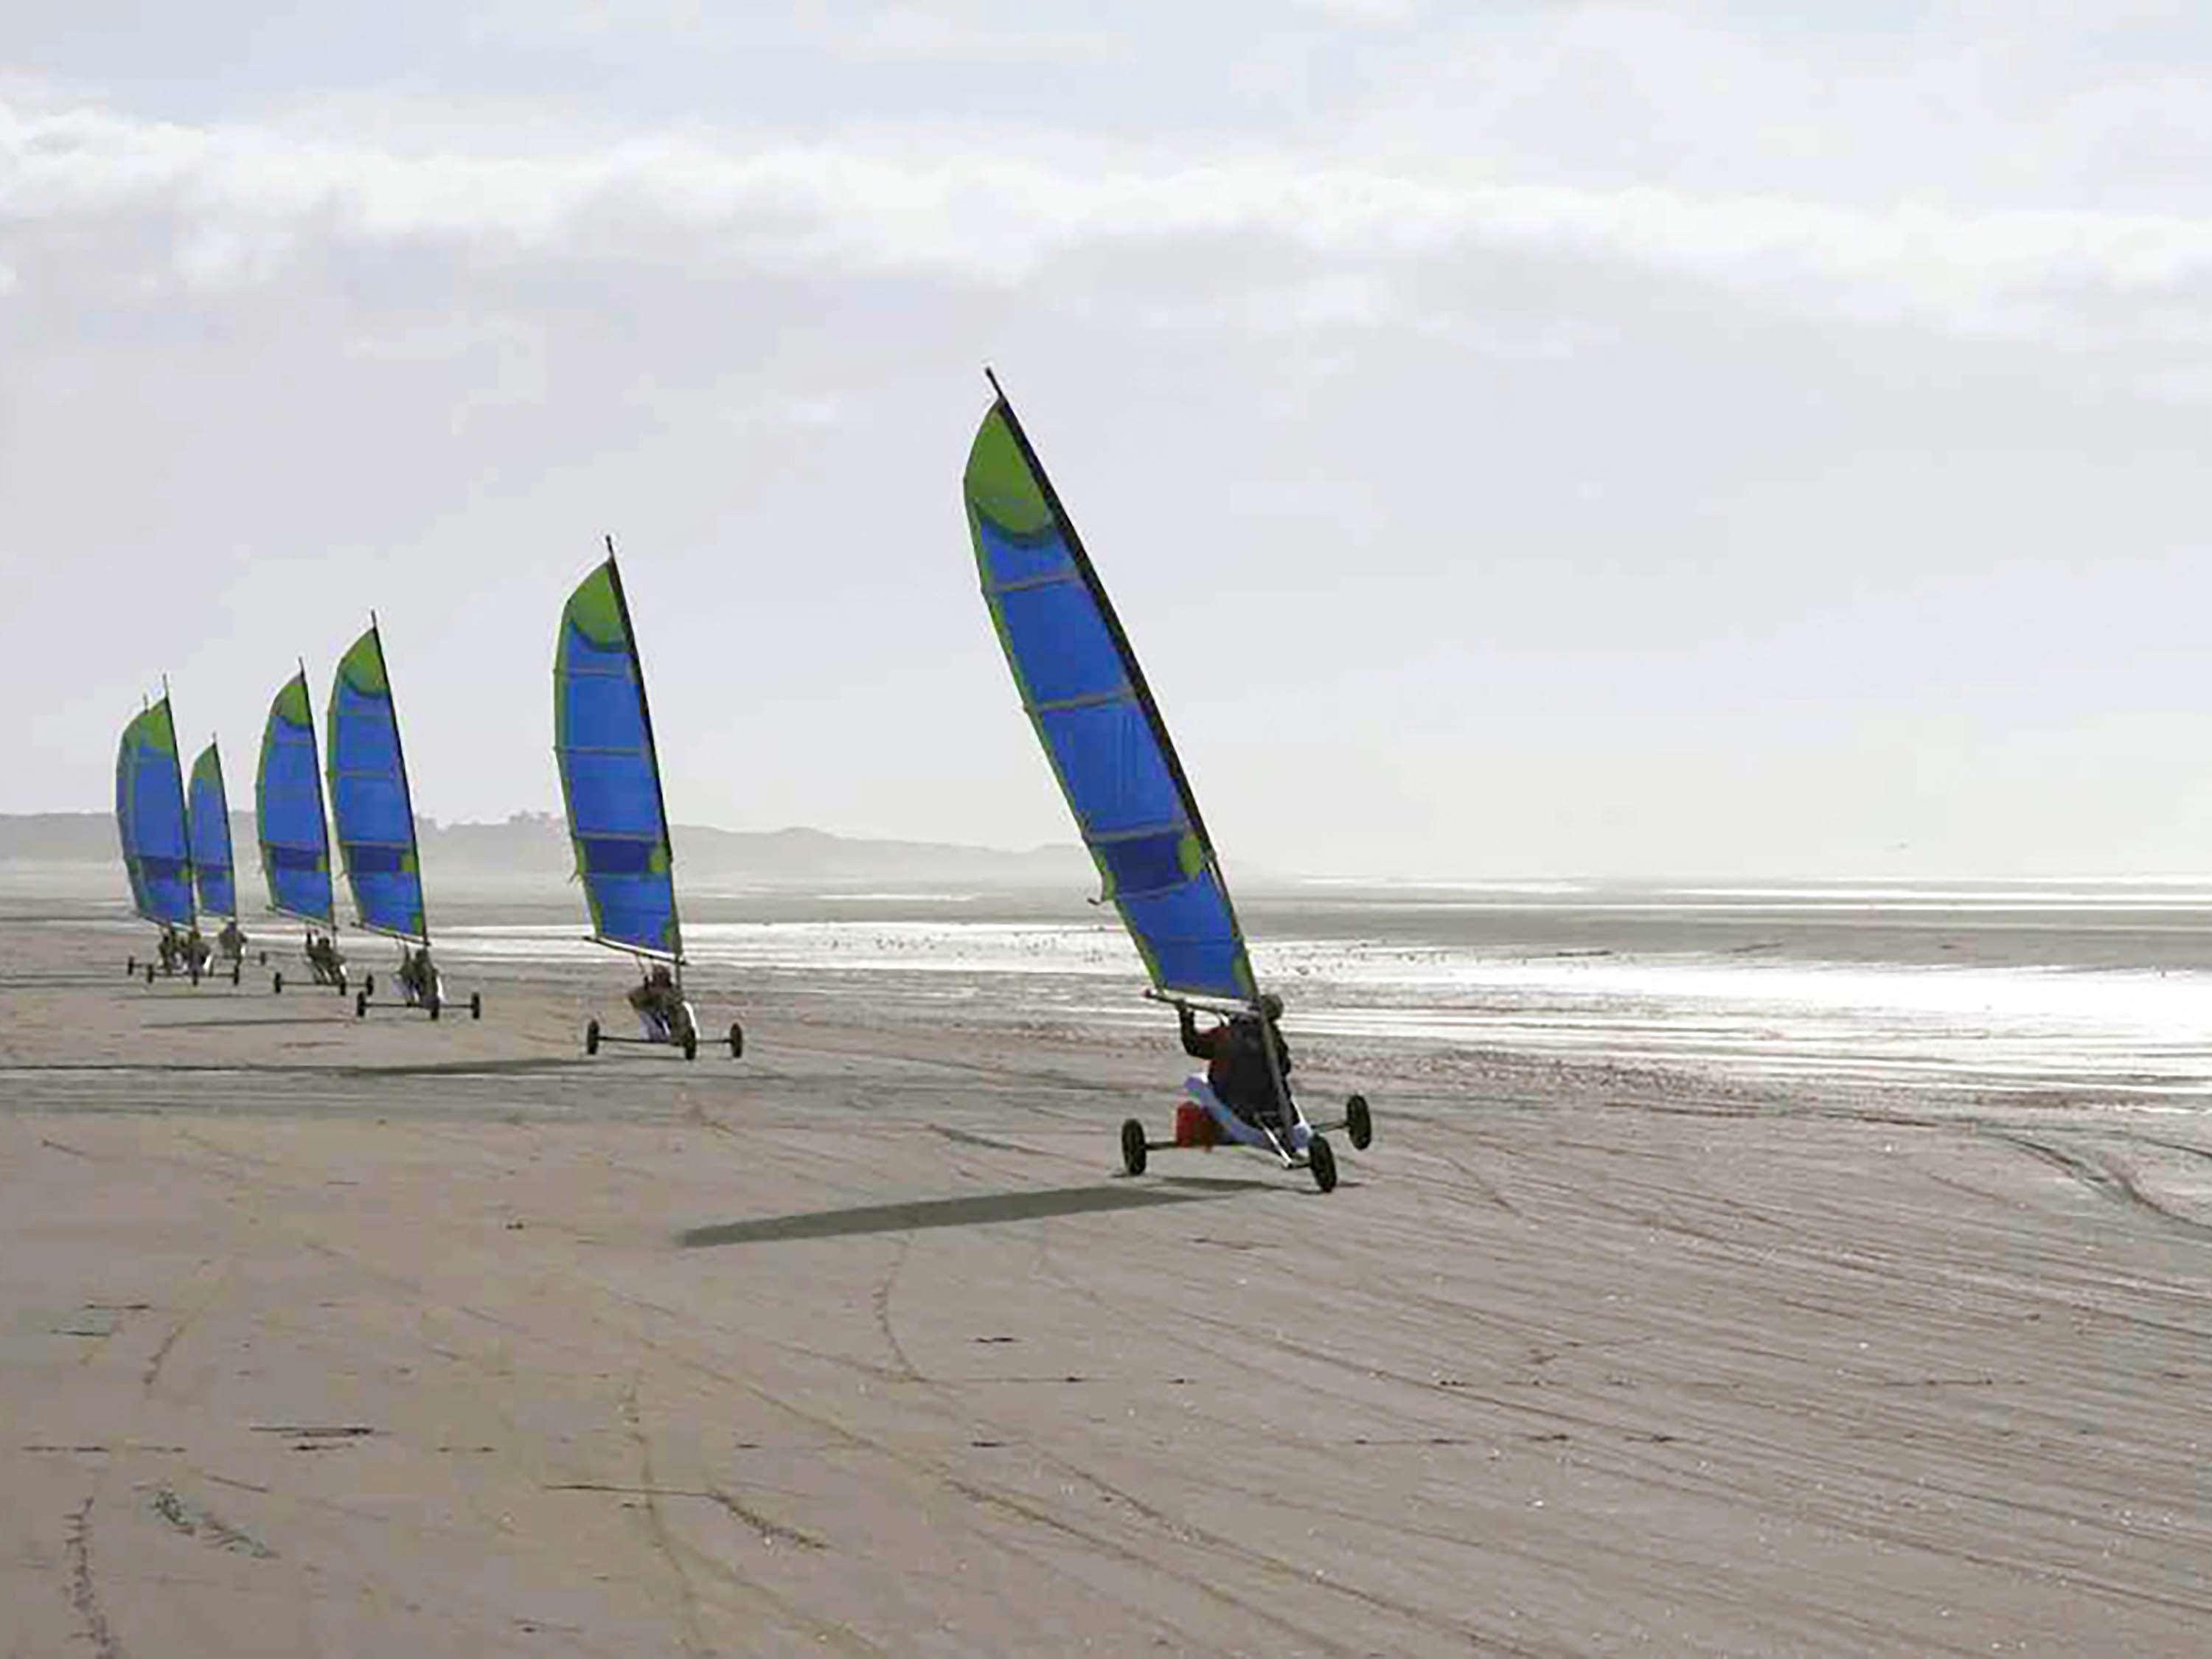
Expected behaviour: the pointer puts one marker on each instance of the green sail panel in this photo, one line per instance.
(288, 810)
(611, 771)
(369, 800)
(151, 818)
(1102, 732)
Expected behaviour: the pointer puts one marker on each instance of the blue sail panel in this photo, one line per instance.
(610, 773)
(369, 802)
(210, 836)
(1101, 731)
(150, 817)
(288, 810)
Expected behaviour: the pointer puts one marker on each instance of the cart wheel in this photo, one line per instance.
(130, 968)
(237, 972)
(276, 983)
(1322, 1162)
(737, 1041)
(1357, 1124)
(433, 1005)
(476, 1005)
(150, 973)
(195, 972)
(263, 959)
(341, 981)
(691, 1045)
(369, 985)
(1132, 1146)
(361, 1004)
(591, 1037)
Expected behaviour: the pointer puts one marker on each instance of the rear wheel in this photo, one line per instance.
(237, 972)
(1357, 1124)
(591, 1037)
(130, 968)
(476, 1005)
(1322, 1162)
(1134, 1149)
(691, 1045)
(369, 985)
(276, 983)
(434, 1005)
(737, 1041)
(150, 973)
(361, 1004)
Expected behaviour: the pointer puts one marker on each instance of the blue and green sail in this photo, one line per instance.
(1085, 694)
(150, 815)
(288, 810)
(210, 837)
(369, 802)
(610, 772)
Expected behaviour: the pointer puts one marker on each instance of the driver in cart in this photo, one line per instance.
(1238, 1087)
(659, 1004)
(232, 941)
(416, 978)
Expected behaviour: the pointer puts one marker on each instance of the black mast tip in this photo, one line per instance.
(997, 391)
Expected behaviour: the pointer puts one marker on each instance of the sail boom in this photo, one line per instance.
(628, 950)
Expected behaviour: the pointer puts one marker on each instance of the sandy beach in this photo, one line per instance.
(320, 1336)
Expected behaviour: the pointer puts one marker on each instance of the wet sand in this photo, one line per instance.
(320, 1336)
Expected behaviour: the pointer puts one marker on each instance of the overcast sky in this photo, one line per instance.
(1519, 439)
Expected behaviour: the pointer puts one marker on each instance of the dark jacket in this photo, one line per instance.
(1237, 1064)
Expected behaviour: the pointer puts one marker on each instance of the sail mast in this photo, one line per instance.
(652, 743)
(177, 766)
(406, 788)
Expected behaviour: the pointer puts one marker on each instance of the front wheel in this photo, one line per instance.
(1358, 1124)
(1134, 1152)
(361, 1004)
(150, 973)
(591, 1037)
(434, 1005)
(1322, 1162)
(130, 968)
(691, 1045)
(276, 983)
(237, 972)
(737, 1041)
(476, 1005)
(369, 985)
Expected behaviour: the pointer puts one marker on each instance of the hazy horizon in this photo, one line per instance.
(1576, 440)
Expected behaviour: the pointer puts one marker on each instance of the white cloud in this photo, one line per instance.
(241, 196)
(1364, 13)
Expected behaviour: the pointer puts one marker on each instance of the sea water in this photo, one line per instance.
(2069, 986)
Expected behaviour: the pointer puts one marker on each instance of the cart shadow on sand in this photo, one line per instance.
(981, 1210)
